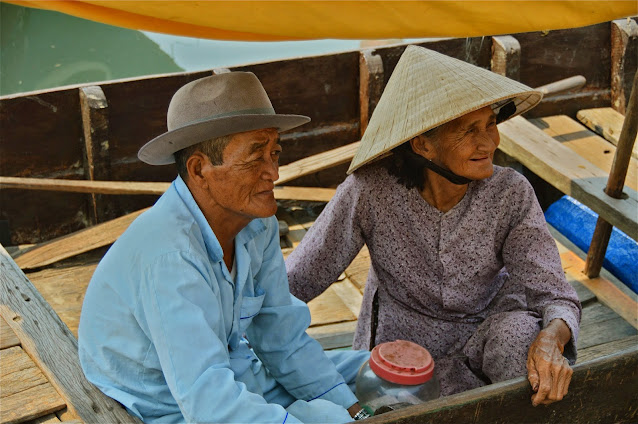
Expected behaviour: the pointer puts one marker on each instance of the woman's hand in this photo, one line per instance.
(548, 371)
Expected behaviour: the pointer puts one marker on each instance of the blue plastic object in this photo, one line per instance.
(577, 222)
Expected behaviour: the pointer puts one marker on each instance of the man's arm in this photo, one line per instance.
(278, 336)
(186, 320)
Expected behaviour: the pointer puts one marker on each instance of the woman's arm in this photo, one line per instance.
(330, 245)
(531, 257)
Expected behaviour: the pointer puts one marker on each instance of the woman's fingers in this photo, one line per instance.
(554, 383)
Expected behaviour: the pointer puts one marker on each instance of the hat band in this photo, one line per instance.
(257, 111)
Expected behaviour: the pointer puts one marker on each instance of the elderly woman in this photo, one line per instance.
(462, 261)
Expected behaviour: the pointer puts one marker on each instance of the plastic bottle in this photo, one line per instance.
(399, 373)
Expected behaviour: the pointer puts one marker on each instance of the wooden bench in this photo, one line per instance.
(605, 122)
(569, 172)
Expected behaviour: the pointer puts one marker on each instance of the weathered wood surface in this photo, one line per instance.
(599, 325)
(605, 122)
(586, 143)
(601, 391)
(506, 57)
(24, 391)
(624, 58)
(49, 342)
(97, 160)
(316, 194)
(64, 288)
(568, 172)
(604, 290)
(547, 56)
(7, 337)
(370, 86)
(605, 349)
(79, 242)
(317, 162)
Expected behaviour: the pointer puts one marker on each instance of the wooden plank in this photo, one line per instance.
(47, 419)
(605, 349)
(95, 122)
(370, 85)
(349, 295)
(506, 57)
(329, 308)
(25, 393)
(51, 345)
(603, 390)
(334, 336)
(317, 162)
(568, 172)
(624, 58)
(64, 289)
(605, 122)
(7, 337)
(603, 289)
(596, 333)
(76, 243)
(357, 271)
(587, 144)
(316, 194)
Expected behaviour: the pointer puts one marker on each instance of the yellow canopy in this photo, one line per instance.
(298, 20)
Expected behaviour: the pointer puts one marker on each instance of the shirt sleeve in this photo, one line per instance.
(330, 245)
(185, 318)
(278, 337)
(531, 257)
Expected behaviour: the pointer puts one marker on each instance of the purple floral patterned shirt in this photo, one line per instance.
(437, 274)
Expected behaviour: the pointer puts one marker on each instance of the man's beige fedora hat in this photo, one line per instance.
(428, 89)
(211, 107)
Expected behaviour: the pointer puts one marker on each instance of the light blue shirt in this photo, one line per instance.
(162, 323)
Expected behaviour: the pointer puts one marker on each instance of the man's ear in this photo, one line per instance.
(423, 146)
(195, 165)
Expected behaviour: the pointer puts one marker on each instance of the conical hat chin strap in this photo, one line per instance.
(447, 174)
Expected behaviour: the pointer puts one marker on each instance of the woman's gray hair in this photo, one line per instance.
(213, 148)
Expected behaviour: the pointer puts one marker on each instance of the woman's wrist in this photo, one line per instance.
(558, 329)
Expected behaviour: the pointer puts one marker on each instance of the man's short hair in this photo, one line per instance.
(213, 148)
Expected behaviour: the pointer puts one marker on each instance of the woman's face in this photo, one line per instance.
(466, 145)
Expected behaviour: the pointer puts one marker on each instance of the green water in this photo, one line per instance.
(43, 49)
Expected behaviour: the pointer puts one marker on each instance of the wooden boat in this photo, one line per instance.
(79, 144)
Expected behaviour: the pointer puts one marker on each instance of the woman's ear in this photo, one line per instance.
(423, 146)
(195, 165)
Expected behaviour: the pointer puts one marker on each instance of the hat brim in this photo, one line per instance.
(161, 149)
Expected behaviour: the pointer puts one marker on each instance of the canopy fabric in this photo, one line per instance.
(301, 20)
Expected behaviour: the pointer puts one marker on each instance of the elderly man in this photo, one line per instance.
(188, 317)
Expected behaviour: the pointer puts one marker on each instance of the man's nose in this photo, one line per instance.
(271, 171)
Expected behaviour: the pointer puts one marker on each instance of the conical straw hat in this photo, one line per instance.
(428, 89)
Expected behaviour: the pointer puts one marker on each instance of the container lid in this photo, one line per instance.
(402, 362)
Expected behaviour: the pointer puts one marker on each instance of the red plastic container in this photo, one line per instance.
(398, 373)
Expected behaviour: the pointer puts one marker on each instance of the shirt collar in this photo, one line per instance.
(249, 232)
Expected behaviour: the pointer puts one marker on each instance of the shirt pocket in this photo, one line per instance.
(250, 307)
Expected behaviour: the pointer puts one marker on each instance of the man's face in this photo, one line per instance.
(243, 185)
